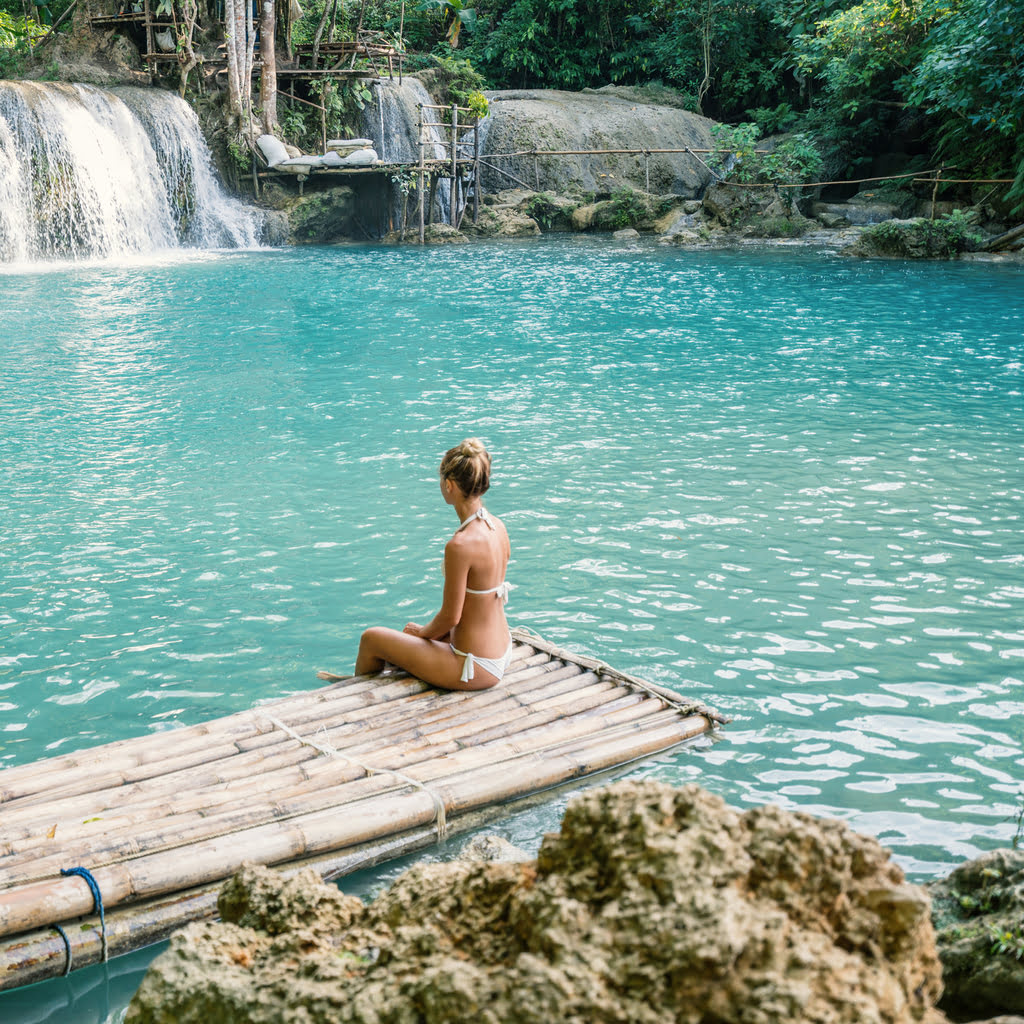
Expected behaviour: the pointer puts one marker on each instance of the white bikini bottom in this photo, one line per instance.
(495, 666)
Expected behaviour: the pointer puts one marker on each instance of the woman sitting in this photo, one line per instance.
(467, 645)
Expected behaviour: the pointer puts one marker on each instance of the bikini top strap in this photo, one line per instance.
(480, 513)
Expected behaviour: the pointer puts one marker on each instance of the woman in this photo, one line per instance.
(467, 645)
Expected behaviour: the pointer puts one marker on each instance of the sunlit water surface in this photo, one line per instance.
(785, 483)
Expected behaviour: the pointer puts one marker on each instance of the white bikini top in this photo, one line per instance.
(502, 589)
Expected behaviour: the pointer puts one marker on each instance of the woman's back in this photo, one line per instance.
(482, 544)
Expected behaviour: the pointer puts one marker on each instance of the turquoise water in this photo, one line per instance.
(788, 484)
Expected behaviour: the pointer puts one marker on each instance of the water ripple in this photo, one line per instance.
(786, 484)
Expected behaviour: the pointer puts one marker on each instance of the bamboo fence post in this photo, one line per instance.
(422, 182)
(150, 44)
(476, 169)
(453, 205)
(401, 40)
(935, 189)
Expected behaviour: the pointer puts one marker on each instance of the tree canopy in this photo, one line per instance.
(852, 71)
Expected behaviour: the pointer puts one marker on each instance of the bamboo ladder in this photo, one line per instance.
(359, 771)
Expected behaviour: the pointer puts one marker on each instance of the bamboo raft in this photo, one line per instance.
(340, 778)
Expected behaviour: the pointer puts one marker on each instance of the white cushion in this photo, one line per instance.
(360, 158)
(349, 143)
(273, 149)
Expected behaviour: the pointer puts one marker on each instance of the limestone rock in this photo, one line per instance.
(858, 211)
(583, 217)
(651, 905)
(979, 903)
(492, 848)
(624, 234)
(276, 228)
(608, 119)
(317, 218)
(915, 239)
(682, 237)
(500, 222)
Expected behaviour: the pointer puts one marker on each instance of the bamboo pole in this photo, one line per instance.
(157, 755)
(174, 812)
(935, 189)
(559, 720)
(571, 722)
(566, 733)
(39, 955)
(476, 169)
(292, 766)
(452, 212)
(384, 750)
(33, 906)
(287, 757)
(421, 183)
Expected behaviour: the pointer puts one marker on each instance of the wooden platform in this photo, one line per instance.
(339, 778)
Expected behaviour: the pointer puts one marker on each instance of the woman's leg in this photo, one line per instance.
(433, 661)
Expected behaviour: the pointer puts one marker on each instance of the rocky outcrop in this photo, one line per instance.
(316, 218)
(919, 238)
(979, 915)
(652, 904)
(608, 119)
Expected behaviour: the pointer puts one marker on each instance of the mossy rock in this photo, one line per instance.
(319, 218)
(777, 226)
(918, 238)
(980, 903)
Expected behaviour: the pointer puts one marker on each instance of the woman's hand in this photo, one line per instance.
(413, 629)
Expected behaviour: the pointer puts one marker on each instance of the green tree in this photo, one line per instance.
(971, 80)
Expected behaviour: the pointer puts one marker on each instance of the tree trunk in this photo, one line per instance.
(250, 58)
(232, 50)
(268, 75)
(1004, 240)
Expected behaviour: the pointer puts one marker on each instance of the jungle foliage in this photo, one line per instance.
(841, 71)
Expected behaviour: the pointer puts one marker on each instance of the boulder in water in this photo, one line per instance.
(979, 913)
(652, 904)
(319, 218)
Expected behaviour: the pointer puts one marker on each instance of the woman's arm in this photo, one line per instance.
(456, 572)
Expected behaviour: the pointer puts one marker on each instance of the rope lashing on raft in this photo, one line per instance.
(97, 906)
(67, 949)
(440, 814)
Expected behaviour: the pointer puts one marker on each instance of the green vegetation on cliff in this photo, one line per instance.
(939, 79)
(947, 73)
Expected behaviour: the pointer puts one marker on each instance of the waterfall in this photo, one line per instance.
(393, 124)
(88, 173)
(394, 128)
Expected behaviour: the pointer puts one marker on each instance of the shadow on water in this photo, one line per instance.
(93, 995)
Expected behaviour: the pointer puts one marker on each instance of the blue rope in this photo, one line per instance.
(67, 949)
(97, 900)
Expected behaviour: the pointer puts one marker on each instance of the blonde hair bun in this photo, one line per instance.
(469, 465)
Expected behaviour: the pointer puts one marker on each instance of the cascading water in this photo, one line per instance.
(393, 124)
(90, 173)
